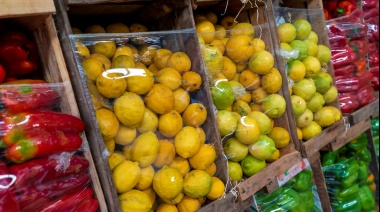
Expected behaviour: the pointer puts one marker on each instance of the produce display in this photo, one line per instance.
(349, 181)
(153, 113)
(245, 86)
(41, 164)
(375, 133)
(311, 85)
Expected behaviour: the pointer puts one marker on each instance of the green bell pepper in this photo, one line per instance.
(349, 205)
(366, 197)
(364, 155)
(304, 181)
(329, 158)
(358, 144)
(347, 192)
(342, 150)
(289, 199)
(264, 200)
(349, 180)
(272, 208)
(362, 173)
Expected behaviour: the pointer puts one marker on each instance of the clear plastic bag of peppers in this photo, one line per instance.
(349, 48)
(41, 162)
(349, 181)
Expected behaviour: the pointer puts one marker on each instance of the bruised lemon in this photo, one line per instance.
(146, 53)
(191, 81)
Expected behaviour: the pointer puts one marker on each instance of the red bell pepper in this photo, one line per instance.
(347, 84)
(343, 56)
(370, 13)
(36, 95)
(353, 30)
(42, 170)
(89, 206)
(326, 14)
(7, 198)
(345, 71)
(33, 197)
(365, 78)
(369, 3)
(345, 8)
(336, 36)
(42, 143)
(2, 74)
(375, 78)
(374, 21)
(373, 47)
(365, 95)
(373, 59)
(18, 54)
(330, 5)
(348, 102)
(360, 47)
(361, 67)
(12, 126)
(69, 202)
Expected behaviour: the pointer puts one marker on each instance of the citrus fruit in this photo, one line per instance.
(125, 135)
(247, 130)
(161, 57)
(324, 54)
(273, 105)
(194, 115)
(122, 50)
(197, 184)
(123, 61)
(258, 44)
(106, 48)
(263, 120)
(151, 194)
(206, 30)
(310, 131)
(298, 105)
(95, 29)
(146, 178)
(129, 109)
(188, 204)
(117, 28)
(180, 62)
(286, 32)
(211, 170)
(145, 149)
(160, 99)
(111, 85)
(226, 121)
(241, 107)
(249, 80)
(166, 154)
(229, 68)
(114, 159)
(312, 48)
(127, 152)
(123, 182)
(312, 65)
(204, 158)
(146, 52)
(272, 81)
(169, 77)
(261, 62)
(331, 94)
(280, 136)
(219, 44)
(296, 70)
(337, 113)
(239, 48)
(217, 189)
(305, 119)
(251, 165)
(228, 22)
(93, 68)
(315, 103)
(313, 37)
(199, 17)
(135, 200)
(322, 82)
(299, 133)
(82, 51)
(165, 207)
(191, 81)
(300, 47)
(107, 122)
(168, 182)
(275, 156)
(213, 59)
(258, 95)
(263, 148)
(174, 200)
(243, 28)
(181, 100)
(325, 116)
(103, 59)
(181, 164)
(110, 146)
(220, 32)
(235, 150)
(287, 52)
(246, 98)
(212, 17)
(238, 89)
(304, 89)
(187, 142)
(169, 124)
(222, 95)
(149, 122)
(140, 82)
(303, 29)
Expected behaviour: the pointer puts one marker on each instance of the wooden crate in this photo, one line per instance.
(370, 110)
(263, 24)
(36, 16)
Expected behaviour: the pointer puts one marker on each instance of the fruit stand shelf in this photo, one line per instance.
(19, 8)
(370, 110)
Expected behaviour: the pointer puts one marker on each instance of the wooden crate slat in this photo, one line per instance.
(73, 2)
(256, 182)
(227, 203)
(319, 179)
(374, 164)
(18, 8)
(372, 109)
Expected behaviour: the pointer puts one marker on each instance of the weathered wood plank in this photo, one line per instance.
(21, 8)
(372, 109)
(319, 180)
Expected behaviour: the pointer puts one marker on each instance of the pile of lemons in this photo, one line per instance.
(312, 90)
(245, 88)
(141, 94)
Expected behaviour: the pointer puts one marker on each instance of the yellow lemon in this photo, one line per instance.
(174, 200)
(212, 17)
(240, 48)
(274, 105)
(169, 77)
(160, 99)
(170, 124)
(198, 17)
(146, 53)
(202, 135)
(217, 189)
(82, 51)
(110, 146)
(107, 122)
(247, 130)
(272, 81)
(194, 115)
(286, 32)
(229, 68)
(204, 158)
(220, 32)
(145, 149)
(228, 22)
(103, 59)
(219, 44)
(152, 68)
(249, 80)
(256, 107)
(135, 200)
(187, 142)
(258, 44)
(168, 182)
(117, 28)
(211, 170)
(149, 122)
(181, 100)
(226, 122)
(129, 109)
(95, 29)
(197, 183)
(313, 66)
(106, 48)
(235, 150)
(125, 135)
(258, 95)
(241, 107)
(166, 154)
(261, 62)
(161, 57)
(246, 97)
(299, 133)
(206, 30)
(189, 204)
(127, 152)
(191, 81)
(140, 65)
(240, 67)
(275, 156)
(235, 172)
(125, 182)
(140, 81)
(243, 28)
(76, 30)
(296, 70)
(123, 61)
(180, 62)
(114, 159)
(111, 85)
(280, 136)
(164, 207)
(138, 40)
(135, 52)
(93, 68)
(263, 120)
(213, 59)
(181, 164)
(146, 178)
(122, 50)
(151, 194)
(311, 131)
